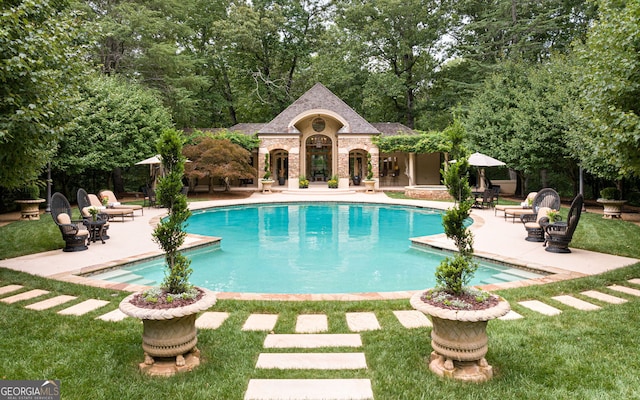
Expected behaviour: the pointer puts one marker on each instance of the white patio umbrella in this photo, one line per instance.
(481, 161)
(154, 168)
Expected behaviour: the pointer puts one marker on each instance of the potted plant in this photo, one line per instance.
(266, 180)
(303, 182)
(459, 313)
(168, 312)
(28, 198)
(610, 200)
(369, 182)
(333, 182)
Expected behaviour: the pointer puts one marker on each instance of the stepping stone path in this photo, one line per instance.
(329, 389)
(309, 336)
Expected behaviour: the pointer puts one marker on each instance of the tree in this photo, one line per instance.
(402, 43)
(119, 125)
(519, 117)
(170, 232)
(607, 139)
(217, 157)
(40, 66)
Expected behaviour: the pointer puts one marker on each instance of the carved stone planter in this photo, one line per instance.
(30, 209)
(370, 186)
(612, 208)
(169, 334)
(266, 186)
(459, 340)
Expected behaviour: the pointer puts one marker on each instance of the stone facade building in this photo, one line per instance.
(319, 137)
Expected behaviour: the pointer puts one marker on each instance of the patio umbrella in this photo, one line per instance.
(151, 160)
(482, 160)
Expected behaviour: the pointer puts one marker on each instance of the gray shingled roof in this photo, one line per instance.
(393, 128)
(318, 97)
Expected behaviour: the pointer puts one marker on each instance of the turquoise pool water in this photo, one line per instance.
(313, 248)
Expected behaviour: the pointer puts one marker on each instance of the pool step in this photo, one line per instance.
(123, 276)
(522, 273)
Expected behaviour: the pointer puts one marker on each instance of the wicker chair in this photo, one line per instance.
(559, 234)
(484, 201)
(74, 234)
(88, 200)
(84, 203)
(535, 229)
(545, 198)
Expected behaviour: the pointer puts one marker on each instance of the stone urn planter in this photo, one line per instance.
(459, 339)
(169, 336)
(612, 208)
(30, 209)
(370, 186)
(266, 185)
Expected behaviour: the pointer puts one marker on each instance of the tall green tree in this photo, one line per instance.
(519, 117)
(403, 44)
(41, 63)
(119, 125)
(607, 139)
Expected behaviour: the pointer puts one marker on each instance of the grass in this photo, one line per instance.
(577, 354)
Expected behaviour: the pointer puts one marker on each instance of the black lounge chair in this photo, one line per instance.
(74, 234)
(559, 234)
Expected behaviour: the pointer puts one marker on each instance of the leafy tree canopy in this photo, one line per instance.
(118, 125)
(607, 139)
(218, 157)
(40, 65)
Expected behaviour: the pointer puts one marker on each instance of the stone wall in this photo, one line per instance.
(428, 193)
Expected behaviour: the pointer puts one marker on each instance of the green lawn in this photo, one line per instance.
(575, 355)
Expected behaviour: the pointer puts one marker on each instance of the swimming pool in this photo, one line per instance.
(298, 248)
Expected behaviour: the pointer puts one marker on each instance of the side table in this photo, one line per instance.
(95, 228)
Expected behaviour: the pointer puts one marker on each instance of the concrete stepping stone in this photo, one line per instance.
(113, 316)
(312, 323)
(211, 320)
(260, 322)
(309, 389)
(9, 289)
(624, 289)
(50, 303)
(362, 321)
(411, 319)
(576, 303)
(635, 281)
(24, 296)
(333, 361)
(540, 307)
(84, 307)
(510, 316)
(311, 340)
(607, 298)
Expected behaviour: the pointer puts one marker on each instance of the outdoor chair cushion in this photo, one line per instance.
(64, 219)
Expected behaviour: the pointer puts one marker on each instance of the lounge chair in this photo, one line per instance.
(74, 234)
(113, 202)
(535, 228)
(504, 207)
(87, 200)
(559, 234)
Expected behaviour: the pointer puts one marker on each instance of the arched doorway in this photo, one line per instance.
(319, 158)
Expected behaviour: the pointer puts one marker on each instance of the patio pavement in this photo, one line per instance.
(495, 238)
